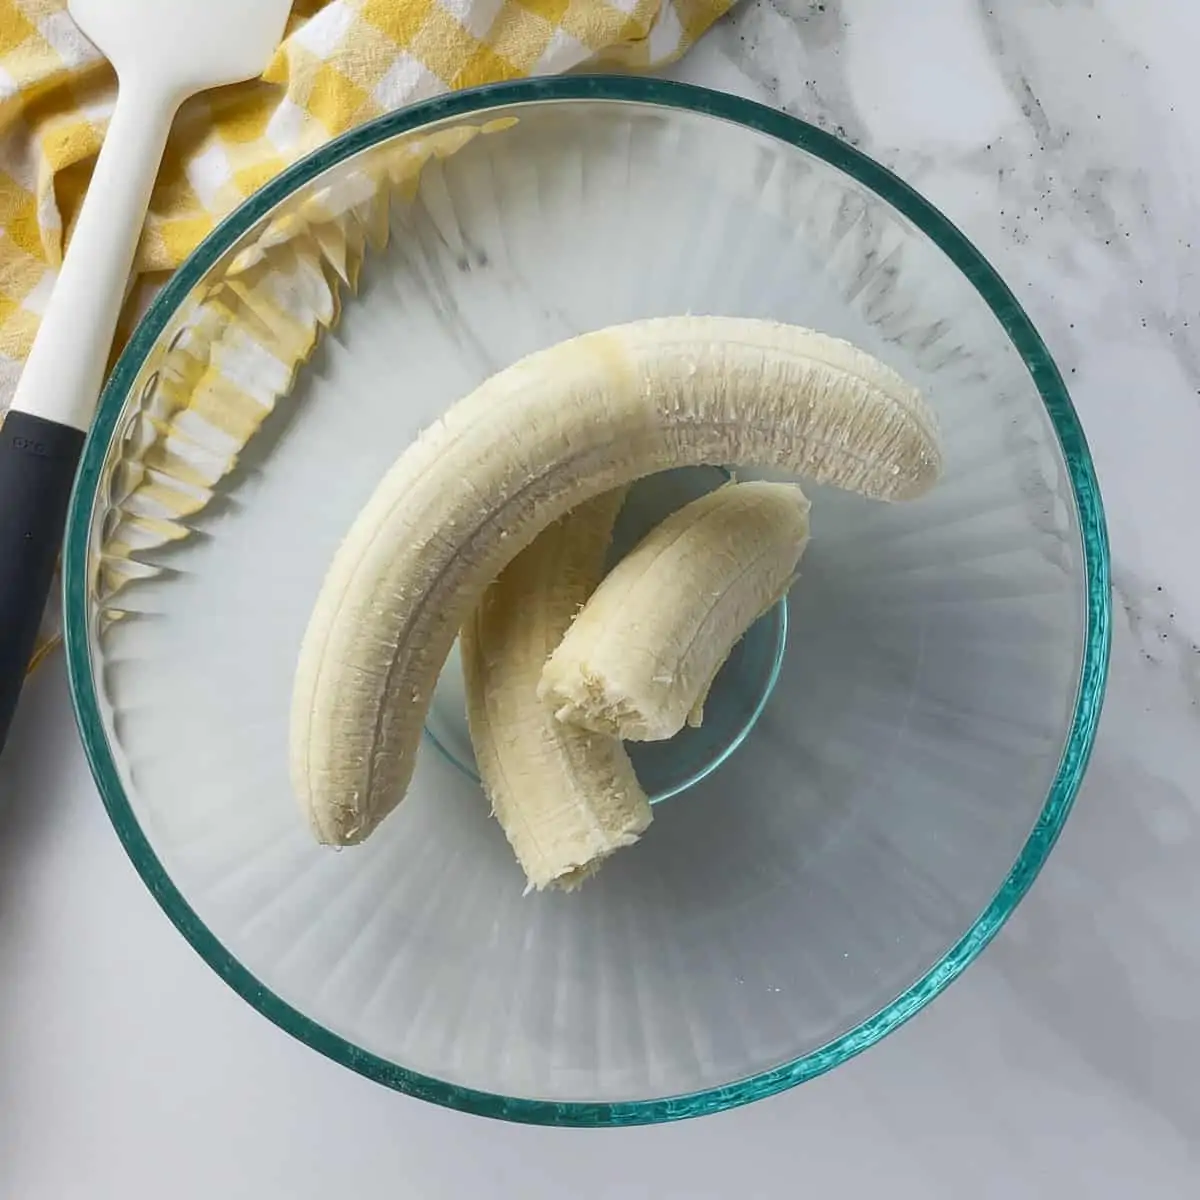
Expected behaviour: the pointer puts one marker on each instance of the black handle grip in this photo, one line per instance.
(38, 459)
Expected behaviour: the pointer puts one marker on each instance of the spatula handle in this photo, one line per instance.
(37, 469)
(63, 374)
(42, 436)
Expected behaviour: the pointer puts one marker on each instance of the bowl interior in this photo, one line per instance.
(735, 701)
(773, 910)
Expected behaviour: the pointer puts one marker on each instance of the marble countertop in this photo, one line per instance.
(1063, 136)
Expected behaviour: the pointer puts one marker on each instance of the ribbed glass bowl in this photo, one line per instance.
(930, 717)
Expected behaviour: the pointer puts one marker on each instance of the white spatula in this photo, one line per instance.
(164, 51)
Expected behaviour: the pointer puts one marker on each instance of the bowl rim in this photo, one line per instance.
(1046, 377)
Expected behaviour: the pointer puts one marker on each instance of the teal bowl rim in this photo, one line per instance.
(1046, 377)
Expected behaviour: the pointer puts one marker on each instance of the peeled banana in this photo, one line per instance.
(534, 441)
(566, 798)
(639, 659)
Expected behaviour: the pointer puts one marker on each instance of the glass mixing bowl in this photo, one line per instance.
(911, 737)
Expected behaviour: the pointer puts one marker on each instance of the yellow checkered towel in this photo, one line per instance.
(341, 63)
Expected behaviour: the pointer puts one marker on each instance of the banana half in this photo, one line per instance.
(566, 797)
(638, 661)
(536, 440)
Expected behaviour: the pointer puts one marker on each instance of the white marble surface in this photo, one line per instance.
(1064, 137)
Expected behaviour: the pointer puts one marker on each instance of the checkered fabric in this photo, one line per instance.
(341, 63)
